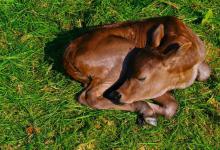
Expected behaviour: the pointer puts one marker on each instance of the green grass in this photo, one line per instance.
(38, 108)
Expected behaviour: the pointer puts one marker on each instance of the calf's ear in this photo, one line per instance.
(184, 58)
(155, 35)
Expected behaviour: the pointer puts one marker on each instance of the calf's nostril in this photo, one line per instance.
(114, 96)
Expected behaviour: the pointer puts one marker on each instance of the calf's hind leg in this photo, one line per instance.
(204, 72)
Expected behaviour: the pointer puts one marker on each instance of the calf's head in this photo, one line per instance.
(171, 61)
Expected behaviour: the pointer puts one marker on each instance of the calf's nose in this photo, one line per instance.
(114, 96)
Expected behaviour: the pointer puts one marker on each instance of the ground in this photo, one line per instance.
(38, 107)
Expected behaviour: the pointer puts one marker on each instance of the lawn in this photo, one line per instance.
(38, 107)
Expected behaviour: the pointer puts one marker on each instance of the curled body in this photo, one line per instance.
(123, 64)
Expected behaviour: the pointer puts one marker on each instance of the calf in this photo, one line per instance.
(123, 64)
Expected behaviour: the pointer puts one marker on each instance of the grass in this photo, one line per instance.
(38, 108)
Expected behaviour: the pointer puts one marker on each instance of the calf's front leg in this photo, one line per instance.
(93, 97)
(169, 105)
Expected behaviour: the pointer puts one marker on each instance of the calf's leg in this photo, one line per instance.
(204, 72)
(169, 105)
(93, 97)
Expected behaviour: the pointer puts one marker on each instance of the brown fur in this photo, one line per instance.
(134, 61)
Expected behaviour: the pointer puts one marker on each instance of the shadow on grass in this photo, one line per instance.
(54, 50)
(213, 85)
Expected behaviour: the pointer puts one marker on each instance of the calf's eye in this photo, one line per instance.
(142, 79)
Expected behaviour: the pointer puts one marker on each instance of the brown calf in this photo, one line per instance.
(123, 64)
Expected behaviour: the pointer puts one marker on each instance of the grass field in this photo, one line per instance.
(38, 108)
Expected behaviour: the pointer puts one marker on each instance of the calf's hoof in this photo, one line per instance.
(141, 120)
(151, 120)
